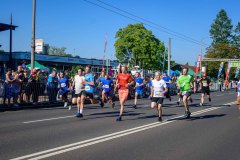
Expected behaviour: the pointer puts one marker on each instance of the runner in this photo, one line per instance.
(100, 87)
(123, 81)
(159, 88)
(204, 88)
(89, 86)
(168, 81)
(139, 89)
(185, 82)
(78, 85)
(63, 85)
(107, 87)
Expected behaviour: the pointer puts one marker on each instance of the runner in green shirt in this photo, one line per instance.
(186, 82)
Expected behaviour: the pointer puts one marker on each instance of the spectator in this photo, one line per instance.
(52, 85)
(8, 87)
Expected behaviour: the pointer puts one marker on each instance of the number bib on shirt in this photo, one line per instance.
(157, 92)
(106, 86)
(63, 85)
(205, 84)
(87, 88)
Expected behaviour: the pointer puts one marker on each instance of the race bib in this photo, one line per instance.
(106, 86)
(137, 84)
(63, 85)
(87, 88)
(205, 84)
(157, 94)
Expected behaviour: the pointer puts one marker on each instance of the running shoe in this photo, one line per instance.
(187, 114)
(102, 104)
(119, 118)
(178, 103)
(191, 100)
(113, 105)
(79, 115)
(69, 107)
(135, 106)
(65, 104)
(209, 99)
(159, 119)
(200, 104)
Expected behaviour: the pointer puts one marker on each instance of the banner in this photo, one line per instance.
(235, 64)
(228, 70)
(237, 72)
(198, 64)
(104, 52)
(220, 69)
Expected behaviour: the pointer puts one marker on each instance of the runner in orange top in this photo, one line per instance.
(123, 81)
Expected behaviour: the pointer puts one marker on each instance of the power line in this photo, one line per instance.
(107, 4)
(160, 28)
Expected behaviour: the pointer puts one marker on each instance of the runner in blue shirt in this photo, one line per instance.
(63, 85)
(89, 86)
(167, 79)
(107, 86)
(139, 89)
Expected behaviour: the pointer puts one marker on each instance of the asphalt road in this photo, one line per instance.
(54, 133)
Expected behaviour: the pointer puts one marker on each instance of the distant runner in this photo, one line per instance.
(205, 89)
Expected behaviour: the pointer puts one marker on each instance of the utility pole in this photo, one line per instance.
(33, 34)
(10, 47)
(169, 55)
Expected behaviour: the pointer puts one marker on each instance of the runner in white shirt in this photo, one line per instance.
(78, 84)
(159, 88)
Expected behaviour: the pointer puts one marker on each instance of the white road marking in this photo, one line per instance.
(48, 119)
(96, 140)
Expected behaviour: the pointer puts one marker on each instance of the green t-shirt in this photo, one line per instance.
(184, 82)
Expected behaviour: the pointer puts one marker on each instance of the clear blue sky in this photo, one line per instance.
(81, 27)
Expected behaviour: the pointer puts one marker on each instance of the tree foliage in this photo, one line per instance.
(137, 45)
(60, 52)
(225, 42)
(221, 29)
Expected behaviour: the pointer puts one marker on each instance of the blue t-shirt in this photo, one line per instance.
(63, 82)
(89, 78)
(139, 81)
(107, 85)
(167, 79)
(52, 81)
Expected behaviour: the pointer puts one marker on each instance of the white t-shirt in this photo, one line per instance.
(79, 84)
(158, 87)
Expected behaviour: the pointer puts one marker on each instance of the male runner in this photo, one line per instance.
(185, 82)
(107, 87)
(159, 88)
(89, 86)
(139, 89)
(204, 87)
(78, 85)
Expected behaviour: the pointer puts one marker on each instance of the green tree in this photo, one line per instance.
(223, 41)
(236, 37)
(221, 28)
(137, 45)
(60, 52)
